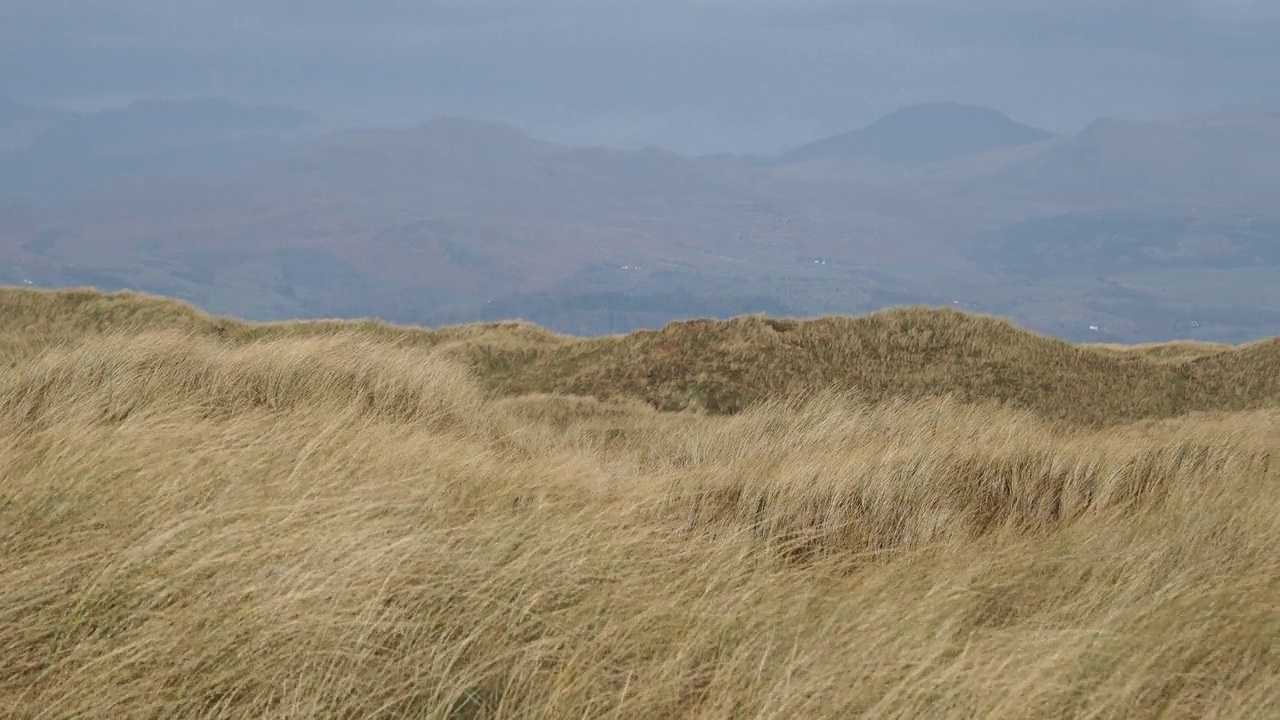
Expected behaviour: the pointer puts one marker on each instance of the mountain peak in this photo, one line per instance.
(460, 132)
(924, 133)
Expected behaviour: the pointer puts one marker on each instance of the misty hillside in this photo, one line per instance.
(486, 166)
(1115, 234)
(926, 133)
(159, 121)
(73, 152)
(1228, 161)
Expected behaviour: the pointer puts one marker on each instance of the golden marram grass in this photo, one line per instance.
(207, 518)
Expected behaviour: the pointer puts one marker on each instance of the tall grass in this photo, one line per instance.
(727, 367)
(338, 524)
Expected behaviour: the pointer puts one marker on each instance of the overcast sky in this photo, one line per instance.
(689, 75)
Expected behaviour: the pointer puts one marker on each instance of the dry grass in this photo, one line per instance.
(1178, 351)
(329, 520)
(726, 367)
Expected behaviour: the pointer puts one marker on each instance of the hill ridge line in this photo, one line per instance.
(727, 366)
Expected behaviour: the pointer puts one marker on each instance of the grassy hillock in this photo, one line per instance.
(914, 352)
(724, 367)
(910, 514)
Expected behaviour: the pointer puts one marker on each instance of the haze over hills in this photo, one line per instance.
(1126, 231)
(21, 123)
(926, 133)
(1225, 162)
(68, 152)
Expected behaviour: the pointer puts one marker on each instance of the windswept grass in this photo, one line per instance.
(171, 371)
(202, 518)
(725, 367)
(1178, 351)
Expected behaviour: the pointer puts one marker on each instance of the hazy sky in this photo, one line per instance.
(689, 75)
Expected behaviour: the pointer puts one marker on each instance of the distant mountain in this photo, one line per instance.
(1136, 229)
(392, 162)
(157, 121)
(926, 133)
(1227, 160)
(456, 167)
(497, 156)
(73, 151)
(396, 221)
